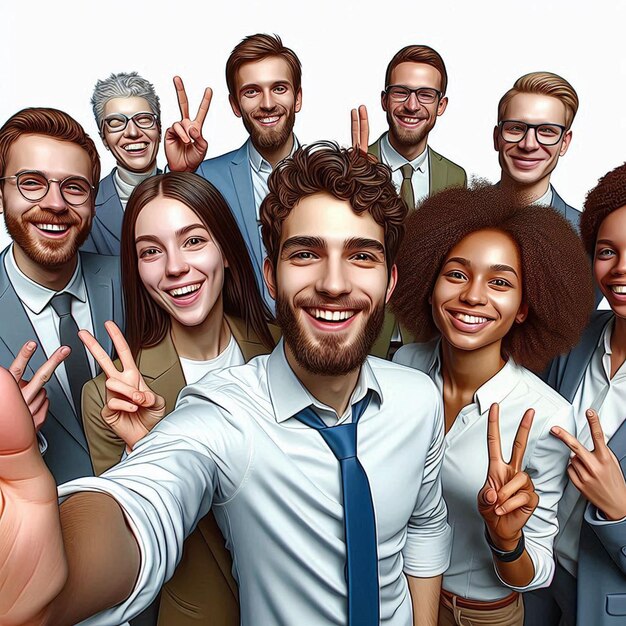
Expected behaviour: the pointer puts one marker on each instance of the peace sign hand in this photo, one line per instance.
(596, 473)
(132, 410)
(33, 391)
(508, 498)
(360, 129)
(185, 147)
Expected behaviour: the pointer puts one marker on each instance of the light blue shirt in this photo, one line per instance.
(275, 489)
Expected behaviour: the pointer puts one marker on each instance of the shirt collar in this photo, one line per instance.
(546, 199)
(496, 389)
(395, 160)
(35, 296)
(258, 163)
(288, 395)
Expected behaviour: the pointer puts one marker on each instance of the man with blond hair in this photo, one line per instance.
(533, 131)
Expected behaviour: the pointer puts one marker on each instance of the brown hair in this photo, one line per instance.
(547, 84)
(419, 54)
(255, 48)
(346, 174)
(146, 322)
(556, 278)
(607, 196)
(51, 123)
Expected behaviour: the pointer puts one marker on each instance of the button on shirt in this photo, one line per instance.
(36, 300)
(421, 175)
(275, 489)
(472, 573)
(607, 396)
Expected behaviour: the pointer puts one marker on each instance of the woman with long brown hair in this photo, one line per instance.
(192, 307)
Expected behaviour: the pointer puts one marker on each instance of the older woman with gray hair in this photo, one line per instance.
(128, 115)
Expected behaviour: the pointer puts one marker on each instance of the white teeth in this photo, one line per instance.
(181, 291)
(410, 120)
(618, 288)
(470, 319)
(53, 227)
(269, 120)
(332, 316)
(131, 147)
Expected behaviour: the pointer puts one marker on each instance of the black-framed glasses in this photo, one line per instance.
(117, 122)
(34, 185)
(513, 131)
(424, 95)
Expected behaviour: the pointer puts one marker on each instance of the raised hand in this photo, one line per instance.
(33, 391)
(508, 498)
(33, 566)
(360, 129)
(596, 473)
(131, 408)
(185, 147)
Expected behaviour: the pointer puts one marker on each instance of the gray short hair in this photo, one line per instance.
(123, 85)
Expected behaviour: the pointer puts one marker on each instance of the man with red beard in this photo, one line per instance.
(322, 465)
(263, 78)
(49, 172)
(414, 97)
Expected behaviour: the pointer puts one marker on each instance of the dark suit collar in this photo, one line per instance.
(106, 189)
(557, 202)
(21, 331)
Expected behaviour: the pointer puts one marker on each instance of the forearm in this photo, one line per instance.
(518, 573)
(425, 599)
(102, 556)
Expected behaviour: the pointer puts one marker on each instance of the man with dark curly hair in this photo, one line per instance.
(322, 530)
(589, 584)
(494, 289)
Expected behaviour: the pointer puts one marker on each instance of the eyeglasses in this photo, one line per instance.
(513, 131)
(117, 122)
(33, 185)
(424, 95)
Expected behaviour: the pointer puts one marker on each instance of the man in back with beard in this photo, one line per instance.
(49, 173)
(263, 78)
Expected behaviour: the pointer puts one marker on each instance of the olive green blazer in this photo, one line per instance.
(202, 590)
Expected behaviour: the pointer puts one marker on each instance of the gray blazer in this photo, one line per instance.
(67, 455)
(602, 552)
(567, 211)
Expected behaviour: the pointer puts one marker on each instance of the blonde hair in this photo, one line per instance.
(547, 84)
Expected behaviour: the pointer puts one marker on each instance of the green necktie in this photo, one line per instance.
(406, 189)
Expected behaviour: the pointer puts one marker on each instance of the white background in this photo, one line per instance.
(53, 52)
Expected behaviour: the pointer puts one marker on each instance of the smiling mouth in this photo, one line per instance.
(408, 120)
(53, 228)
(181, 292)
(268, 120)
(620, 289)
(328, 315)
(136, 147)
(471, 319)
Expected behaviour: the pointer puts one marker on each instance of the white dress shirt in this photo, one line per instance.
(546, 199)
(194, 370)
(472, 573)
(275, 489)
(420, 181)
(36, 301)
(606, 396)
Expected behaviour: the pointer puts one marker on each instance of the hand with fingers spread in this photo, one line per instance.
(185, 147)
(360, 129)
(131, 408)
(596, 473)
(33, 391)
(33, 565)
(508, 498)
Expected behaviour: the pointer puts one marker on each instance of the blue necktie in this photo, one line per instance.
(358, 515)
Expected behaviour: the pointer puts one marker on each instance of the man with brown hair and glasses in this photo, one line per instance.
(264, 85)
(49, 172)
(320, 464)
(533, 131)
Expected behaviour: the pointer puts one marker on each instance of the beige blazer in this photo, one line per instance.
(202, 590)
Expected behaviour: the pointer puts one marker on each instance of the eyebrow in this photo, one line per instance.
(364, 242)
(303, 241)
(604, 241)
(178, 233)
(498, 267)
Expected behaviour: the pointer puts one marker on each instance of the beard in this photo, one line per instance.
(274, 138)
(46, 252)
(330, 355)
(409, 138)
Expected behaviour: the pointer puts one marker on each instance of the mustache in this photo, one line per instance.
(276, 110)
(45, 217)
(334, 303)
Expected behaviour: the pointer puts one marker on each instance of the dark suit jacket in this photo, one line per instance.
(202, 590)
(230, 174)
(67, 455)
(602, 551)
(443, 174)
(567, 211)
(106, 228)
